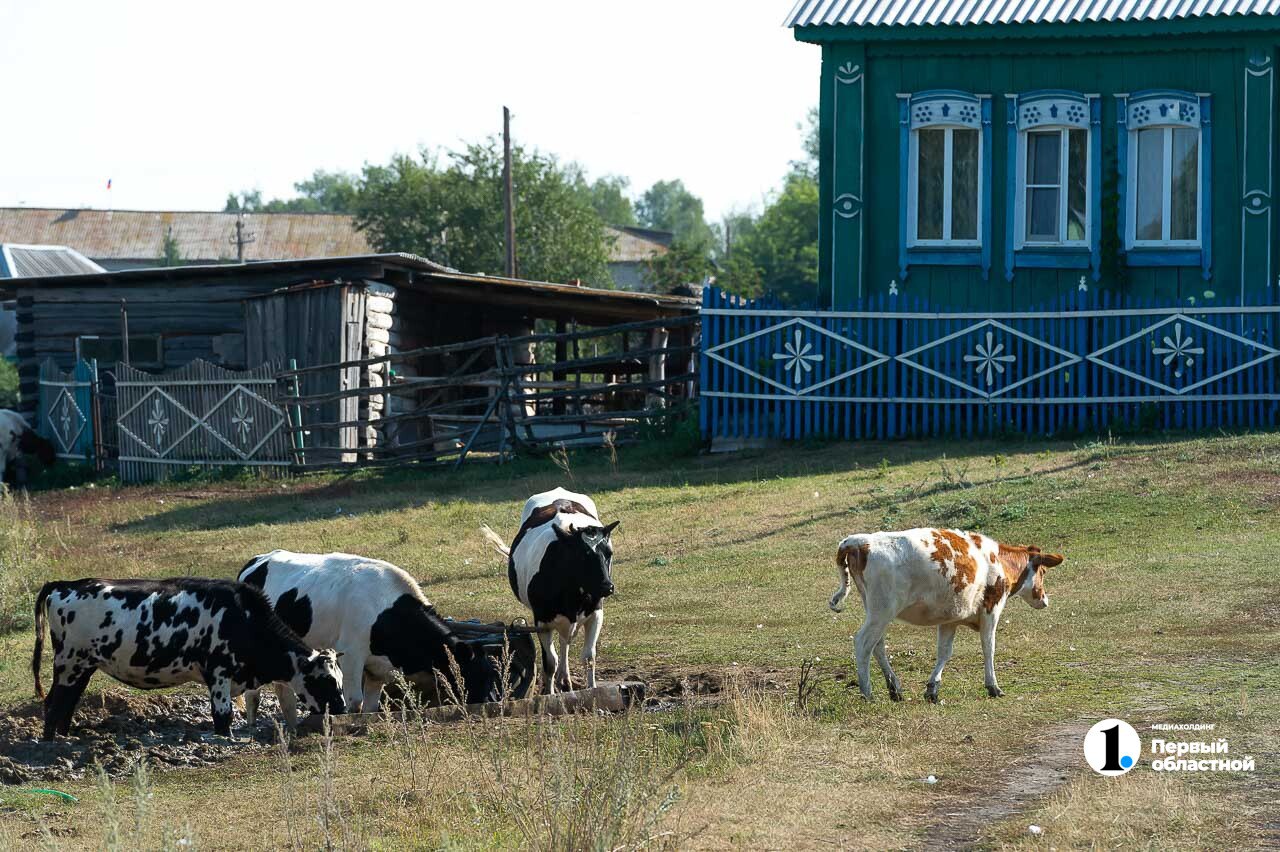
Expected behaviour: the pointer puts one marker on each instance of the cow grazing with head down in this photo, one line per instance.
(18, 440)
(151, 634)
(560, 566)
(379, 620)
(935, 577)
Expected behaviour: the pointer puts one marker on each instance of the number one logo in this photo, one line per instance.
(1112, 747)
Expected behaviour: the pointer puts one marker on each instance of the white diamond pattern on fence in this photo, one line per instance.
(793, 346)
(66, 421)
(198, 416)
(989, 359)
(1183, 352)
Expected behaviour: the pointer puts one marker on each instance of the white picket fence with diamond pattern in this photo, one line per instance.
(198, 416)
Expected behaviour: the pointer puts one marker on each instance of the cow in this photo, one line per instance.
(18, 440)
(152, 634)
(560, 567)
(377, 617)
(935, 577)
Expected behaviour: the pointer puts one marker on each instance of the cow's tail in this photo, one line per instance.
(42, 618)
(851, 561)
(495, 540)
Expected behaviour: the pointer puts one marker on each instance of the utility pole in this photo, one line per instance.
(508, 199)
(241, 238)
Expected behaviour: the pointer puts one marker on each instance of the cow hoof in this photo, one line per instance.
(895, 695)
(931, 695)
(995, 691)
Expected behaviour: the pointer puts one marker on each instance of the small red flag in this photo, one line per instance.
(108, 183)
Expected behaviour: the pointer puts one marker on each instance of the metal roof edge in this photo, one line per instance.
(1182, 26)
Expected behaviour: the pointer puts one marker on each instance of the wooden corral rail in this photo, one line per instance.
(495, 396)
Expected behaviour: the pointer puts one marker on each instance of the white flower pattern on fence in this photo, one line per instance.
(988, 358)
(1178, 348)
(797, 356)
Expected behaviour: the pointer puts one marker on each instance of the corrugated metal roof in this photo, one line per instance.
(32, 261)
(123, 235)
(889, 13)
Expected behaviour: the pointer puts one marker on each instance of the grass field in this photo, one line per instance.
(1165, 611)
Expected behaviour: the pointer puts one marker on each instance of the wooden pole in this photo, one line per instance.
(508, 194)
(124, 331)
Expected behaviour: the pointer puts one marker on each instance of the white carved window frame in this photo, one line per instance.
(958, 111)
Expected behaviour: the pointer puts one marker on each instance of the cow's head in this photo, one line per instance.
(584, 558)
(1029, 584)
(482, 676)
(32, 444)
(317, 680)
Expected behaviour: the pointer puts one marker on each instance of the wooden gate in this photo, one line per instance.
(199, 416)
(65, 410)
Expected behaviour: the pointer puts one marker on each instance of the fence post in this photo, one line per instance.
(297, 435)
(95, 415)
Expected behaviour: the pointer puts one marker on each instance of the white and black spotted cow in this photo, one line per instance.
(151, 634)
(559, 565)
(18, 440)
(377, 617)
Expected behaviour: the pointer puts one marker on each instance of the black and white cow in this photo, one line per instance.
(379, 620)
(151, 634)
(559, 565)
(18, 440)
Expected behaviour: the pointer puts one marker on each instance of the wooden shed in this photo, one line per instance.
(313, 312)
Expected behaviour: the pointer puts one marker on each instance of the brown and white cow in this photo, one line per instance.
(935, 577)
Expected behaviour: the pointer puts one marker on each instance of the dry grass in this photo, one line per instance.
(22, 569)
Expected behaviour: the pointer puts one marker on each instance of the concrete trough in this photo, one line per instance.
(608, 698)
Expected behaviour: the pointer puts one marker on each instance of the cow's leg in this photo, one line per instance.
(288, 705)
(352, 666)
(251, 707)
(891, 679)
(869, 635)
(564, 680)
(946, 639)
(595, 623)
(60, 703)
(550, 663)
(372, 694)
(988, 629)
(220, 700)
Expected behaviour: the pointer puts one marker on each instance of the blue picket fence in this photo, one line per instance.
(893, 367)
(64, 413)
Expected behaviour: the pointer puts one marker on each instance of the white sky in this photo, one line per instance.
(179, 103)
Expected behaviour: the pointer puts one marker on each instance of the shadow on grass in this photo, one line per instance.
(215, 506)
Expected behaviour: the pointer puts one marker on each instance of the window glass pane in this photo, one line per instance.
(1149, 185)
(1077, 181)
(964, 185)
(1186, 182)
(1044, 153)
(930, 169)
(1042, 215)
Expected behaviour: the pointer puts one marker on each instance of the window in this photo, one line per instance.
(1166, 193)
(946, 185)
(144, 350)
(1054, 182)
(1165, 154)
(1055, 187)
(945, 180)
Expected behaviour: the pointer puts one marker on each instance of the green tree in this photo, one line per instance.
(169, 253)
(669, 206)
(323, 192)
(8, 384)
(610, 201)
(454, 213)
(782, 243)
(682, 263)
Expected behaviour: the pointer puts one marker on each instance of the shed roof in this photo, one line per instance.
(915, 13)
(540, 298)
(124, 235)
(632, 244)
(20, 261)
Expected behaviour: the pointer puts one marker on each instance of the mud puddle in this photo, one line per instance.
(116, 730)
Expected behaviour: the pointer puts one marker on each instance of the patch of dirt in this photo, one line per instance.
(116, 730)
(1045, 768)
(671, 686)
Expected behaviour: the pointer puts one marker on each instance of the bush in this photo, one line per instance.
(8, 384)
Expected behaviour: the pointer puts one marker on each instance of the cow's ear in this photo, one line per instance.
(1048, 560)
(608, 531)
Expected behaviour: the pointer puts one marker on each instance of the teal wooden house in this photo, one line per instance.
(990, 153)
(1036, 216)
